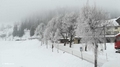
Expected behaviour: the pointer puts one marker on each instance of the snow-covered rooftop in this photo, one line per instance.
(114, 22)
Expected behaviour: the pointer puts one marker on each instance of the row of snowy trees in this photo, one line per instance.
(73, 24)
(88, 24)
(61, 26)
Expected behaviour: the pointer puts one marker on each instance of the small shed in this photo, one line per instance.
(77, 40)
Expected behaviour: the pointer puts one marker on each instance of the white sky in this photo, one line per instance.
(14, 10)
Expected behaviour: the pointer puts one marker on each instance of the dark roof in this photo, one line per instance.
(118, 21)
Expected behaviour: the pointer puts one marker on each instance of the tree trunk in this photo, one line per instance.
(65, 43)
(96, 55)
(41, 43)
(70, 44)
(65, 40)
(47, 44)
(71, 41)
(105, 46)
(86, 47)
(52, 47)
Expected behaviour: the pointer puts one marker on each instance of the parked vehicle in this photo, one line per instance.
(117, 43)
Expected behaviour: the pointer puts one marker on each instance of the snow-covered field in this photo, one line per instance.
(108, 57)
(108, 54)
(112, 58)
(30, 54)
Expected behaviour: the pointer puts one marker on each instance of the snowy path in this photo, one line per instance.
(31, 54)
(85, 56)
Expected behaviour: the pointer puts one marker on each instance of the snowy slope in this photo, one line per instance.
(30, 54)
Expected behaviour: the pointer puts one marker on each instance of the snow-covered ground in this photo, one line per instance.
(112, 58)
(30, 53)
(108, 54)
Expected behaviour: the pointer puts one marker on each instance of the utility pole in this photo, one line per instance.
(104, 37)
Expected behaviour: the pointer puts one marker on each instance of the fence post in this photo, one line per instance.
(106, 57)
(81, 49)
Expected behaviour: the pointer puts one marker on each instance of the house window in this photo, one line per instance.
(116, 27)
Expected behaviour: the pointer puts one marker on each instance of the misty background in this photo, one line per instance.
(12, 11)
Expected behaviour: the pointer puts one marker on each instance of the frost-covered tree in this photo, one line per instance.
(15, 31)
(63, 26)
(70, 21)
(52, 29)
(40, 31)
(46, 36)
(21, 30)
(32, 31)
(90, 23)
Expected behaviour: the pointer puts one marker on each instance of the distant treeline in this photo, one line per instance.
(31, 22)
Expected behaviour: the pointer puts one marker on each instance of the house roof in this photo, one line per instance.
(114, 22)
(118, 20)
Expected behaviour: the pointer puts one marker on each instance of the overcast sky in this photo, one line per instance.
(15, 10)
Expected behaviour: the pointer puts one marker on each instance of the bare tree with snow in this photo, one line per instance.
(46, 36)
(90, 23)
(70, 21)
(51, 31)
(61, 28)
(64, 25)
(40, 31)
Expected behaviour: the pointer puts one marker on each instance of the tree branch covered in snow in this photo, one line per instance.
(40, 31)
(63, 26)
(89, 22)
